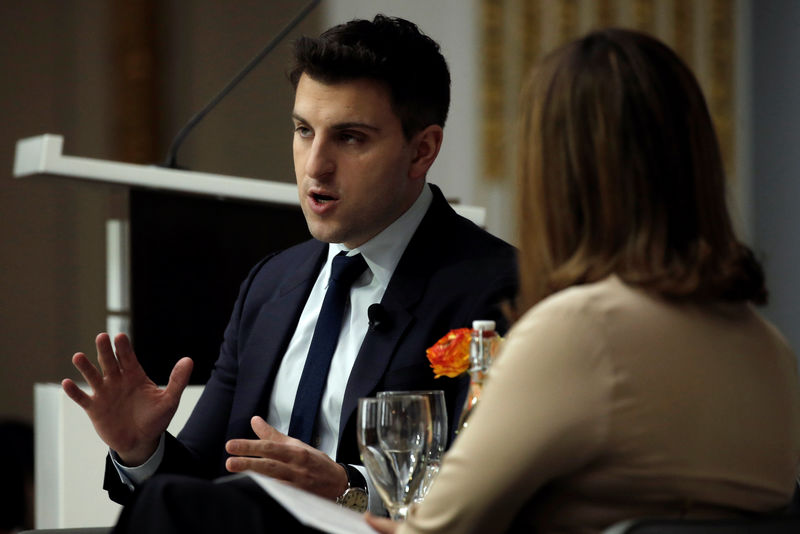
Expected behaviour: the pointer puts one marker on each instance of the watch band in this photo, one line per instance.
(354, 477)
(356, 496)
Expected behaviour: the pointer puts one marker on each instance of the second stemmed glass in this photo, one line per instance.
(393, 436)
(433, 456)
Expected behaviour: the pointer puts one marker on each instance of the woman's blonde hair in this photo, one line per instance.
(619, 172)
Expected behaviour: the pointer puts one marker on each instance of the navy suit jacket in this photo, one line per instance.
(451, 273)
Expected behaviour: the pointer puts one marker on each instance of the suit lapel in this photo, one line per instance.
(373, 358)
(264, 350)
(405, 289)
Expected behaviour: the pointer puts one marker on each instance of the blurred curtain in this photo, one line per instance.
(515, 33)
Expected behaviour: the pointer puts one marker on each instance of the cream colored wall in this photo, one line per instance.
(52, 55)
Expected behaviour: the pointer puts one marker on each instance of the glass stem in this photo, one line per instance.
(399, 514)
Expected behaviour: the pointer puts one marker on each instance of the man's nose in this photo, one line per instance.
(320, 161)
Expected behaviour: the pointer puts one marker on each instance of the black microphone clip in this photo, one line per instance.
(378, 318)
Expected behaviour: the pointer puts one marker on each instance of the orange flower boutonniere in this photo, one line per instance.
(450, 355)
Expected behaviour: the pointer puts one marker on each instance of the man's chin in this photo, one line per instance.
(329, 233)
(325, 234)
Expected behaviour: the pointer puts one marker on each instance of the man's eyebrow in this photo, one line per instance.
(341, 125)
(350, 125)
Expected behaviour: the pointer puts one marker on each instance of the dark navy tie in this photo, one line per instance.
(344, 271)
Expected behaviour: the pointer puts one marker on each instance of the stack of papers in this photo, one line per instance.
(312, 510)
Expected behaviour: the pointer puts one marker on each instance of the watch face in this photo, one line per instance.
(355, 499)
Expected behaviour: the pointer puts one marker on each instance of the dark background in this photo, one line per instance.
(189, 255)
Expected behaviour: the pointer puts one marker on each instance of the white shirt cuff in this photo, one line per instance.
(375, 506)
(133, 476)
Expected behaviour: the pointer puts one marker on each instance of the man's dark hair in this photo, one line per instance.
(389, 50)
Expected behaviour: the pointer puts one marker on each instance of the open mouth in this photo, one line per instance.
(321, 199)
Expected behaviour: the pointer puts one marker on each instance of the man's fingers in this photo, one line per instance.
(89, 371)
(105, 355)
(266, 431)
(301, 466)
(179, 377)
(266, 449)
(75, 393)
(249, 447)
(271, 468)
(126, 358)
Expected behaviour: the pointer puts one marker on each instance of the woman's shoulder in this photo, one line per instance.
(625, 317)
(575, 318)
(581, 301)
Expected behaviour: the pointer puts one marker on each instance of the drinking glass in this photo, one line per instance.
(393, 435)
(433, 456)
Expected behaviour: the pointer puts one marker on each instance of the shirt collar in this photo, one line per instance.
(383, 252)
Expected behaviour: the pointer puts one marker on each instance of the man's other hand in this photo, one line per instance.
(128, 411)
(284, 458)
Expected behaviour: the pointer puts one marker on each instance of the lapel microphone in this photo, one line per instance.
(378, 318)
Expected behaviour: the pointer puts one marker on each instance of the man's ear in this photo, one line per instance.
(427, 144)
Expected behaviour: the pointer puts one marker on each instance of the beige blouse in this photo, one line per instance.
(608, 403)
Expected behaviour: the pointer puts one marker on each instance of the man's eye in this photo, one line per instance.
(302, 131)
(350, 138)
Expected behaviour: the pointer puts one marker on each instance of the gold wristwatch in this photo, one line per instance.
(356, 496)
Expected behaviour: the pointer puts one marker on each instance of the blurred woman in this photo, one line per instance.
(641, 381)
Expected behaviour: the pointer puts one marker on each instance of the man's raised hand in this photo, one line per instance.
(128, 410)
(285, 458)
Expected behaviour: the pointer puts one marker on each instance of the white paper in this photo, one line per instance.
(312, 510)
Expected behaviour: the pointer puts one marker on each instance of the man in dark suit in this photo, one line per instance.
(370, 105)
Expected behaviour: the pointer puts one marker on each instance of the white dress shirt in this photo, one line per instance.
(382, 254)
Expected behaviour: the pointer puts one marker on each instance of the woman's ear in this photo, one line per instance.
(427, 144)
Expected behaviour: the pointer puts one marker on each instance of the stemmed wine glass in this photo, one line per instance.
(393, 434)
(433, 456)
